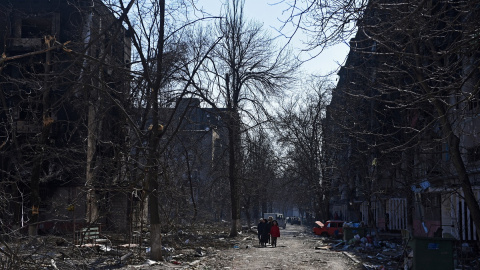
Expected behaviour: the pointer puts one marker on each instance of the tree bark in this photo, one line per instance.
(152, 163)
(458, 163)
(92, 206)
(40, 153)
(232, 171)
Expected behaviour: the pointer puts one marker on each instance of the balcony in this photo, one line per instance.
(26, 127)
(24, 44)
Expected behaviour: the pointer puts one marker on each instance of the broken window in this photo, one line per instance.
(36, 27)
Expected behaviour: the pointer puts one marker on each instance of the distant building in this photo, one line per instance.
(197, 157)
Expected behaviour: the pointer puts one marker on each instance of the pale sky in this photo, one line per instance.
(269, 13)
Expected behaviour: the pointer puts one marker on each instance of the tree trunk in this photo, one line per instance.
(35, 197)
(190, 185)
(234, 185)
(37, 167)
(409, 193)
(156, 242)
(155, 226)
(325, 206)
(247, 211)
(470, 200)
(92, 206)
(460, 167)
(154, 140)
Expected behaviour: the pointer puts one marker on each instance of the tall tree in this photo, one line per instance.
(249, 70)
(165, 69)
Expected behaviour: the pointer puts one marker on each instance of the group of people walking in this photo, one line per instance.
(268, 232)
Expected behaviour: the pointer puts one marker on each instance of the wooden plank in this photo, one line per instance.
(89, 234)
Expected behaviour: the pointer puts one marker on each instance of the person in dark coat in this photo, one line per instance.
(269, 226)
(264, 233)
(261, 227)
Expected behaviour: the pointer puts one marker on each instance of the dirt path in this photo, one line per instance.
(296, 249)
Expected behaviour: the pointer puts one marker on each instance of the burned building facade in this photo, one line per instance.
(64, 66)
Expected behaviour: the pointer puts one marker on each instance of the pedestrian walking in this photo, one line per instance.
(269, 226)
(261, 227)
(274, 233)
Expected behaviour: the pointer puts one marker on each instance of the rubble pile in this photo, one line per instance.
(392, 254)
(185, 246)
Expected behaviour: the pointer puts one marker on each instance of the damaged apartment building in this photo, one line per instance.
(62, 66)
(392, 157)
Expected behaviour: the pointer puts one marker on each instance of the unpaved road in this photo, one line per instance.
(295, 250)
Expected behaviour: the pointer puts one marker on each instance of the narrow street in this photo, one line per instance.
(296, 249)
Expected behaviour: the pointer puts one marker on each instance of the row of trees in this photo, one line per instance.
(300, 132)
(418, 65)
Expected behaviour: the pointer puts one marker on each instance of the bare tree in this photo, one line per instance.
(244, 68)
(248, 70)
(300, 131)
(167, 67)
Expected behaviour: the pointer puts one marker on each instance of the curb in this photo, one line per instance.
(355, 260)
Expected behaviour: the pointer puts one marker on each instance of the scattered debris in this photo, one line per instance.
(185, 248)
